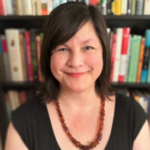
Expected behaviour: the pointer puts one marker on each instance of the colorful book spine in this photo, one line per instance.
(129, 7)
(124, 53)
(127, 61)
(8, 105)
(118, 54)
(2, 8)
(129, 71)
(146, 57)
(136, 57)
(124, 7)
(147, 7)
(118, 7)
(140, 63)
(12, 36)
(104, 7)
(29, 56)
(139, 7)
(5, 58)
(34, 53)
(44, 6)
(133, 7)
(113, 7)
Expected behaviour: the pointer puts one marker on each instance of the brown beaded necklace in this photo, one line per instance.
(99, 134)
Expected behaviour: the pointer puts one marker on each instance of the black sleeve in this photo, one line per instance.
(20, 120)
(139, 117)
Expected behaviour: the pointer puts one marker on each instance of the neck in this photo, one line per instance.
(84, 100)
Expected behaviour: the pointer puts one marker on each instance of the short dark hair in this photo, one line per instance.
(62, 24)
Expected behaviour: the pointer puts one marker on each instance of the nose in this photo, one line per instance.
(75, 59)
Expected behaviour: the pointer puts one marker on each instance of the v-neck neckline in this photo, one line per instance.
(112, 129)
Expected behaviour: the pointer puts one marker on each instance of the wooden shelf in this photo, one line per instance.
(35, 85)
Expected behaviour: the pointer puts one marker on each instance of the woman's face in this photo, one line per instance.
(77, 63)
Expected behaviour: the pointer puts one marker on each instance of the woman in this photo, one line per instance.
(78, 109)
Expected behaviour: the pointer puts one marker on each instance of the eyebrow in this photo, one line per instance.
(87, 40)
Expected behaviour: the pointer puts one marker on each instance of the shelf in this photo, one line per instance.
(35, 85)
(107, 17)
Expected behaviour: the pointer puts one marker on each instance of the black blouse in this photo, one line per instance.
(33, 124)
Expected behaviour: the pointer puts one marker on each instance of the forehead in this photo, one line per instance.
(86, 33)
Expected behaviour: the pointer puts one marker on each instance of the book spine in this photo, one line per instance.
(128, 60)
(129, 7)
(50, 5)
(29, 57)
(39, 7)
(14, 7)
(117, 55)
(22, 57)
(136, 57)
(146, 7)
(104, 7)
(118, 7)
(140, 63)
(133, 7)
(25, 55)
(6, 59)
(148, 77)
(9, 9)
(8, 105)
(34, 55)
(23, 97)
(124, 7)
(20, 7)
(33, 5)
(44, 6)
(28, 7)
(2, 8)
(123, 57)
(38, 47)
(12, 36)
(129, 73)
(113, 56)
(108, 6)
(139, 7)
(146, 57)
(113, 7)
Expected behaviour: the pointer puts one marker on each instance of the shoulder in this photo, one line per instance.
(130, 111)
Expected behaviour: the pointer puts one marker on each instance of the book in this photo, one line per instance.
(146, 57)
(14, 7)
(104, 7)
(5, 58)
(113, 7)
(146, 7)
(118, 7)
(19, 4)
(39, 7)
(50, 5)
(34, 53)
(22, 97)
(140, 63)
(44, 6)
(9, 8)
(129, 7)
(15, 63)
(139, 7)
(124, 7)
(2, 8)
(33, 5)
(124, 55)
(29, 56)
(8, 105)
(28, 7)
(119, 32)
(133, 7)
(136, 56)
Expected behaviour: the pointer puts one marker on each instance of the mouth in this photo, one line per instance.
(76, 75)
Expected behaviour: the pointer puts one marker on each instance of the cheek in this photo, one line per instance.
(95, 61)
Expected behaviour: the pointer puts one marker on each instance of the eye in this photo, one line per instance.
(63, 49)
(88, 47)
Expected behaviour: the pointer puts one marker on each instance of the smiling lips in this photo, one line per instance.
(76, 75)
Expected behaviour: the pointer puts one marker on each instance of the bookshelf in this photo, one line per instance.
(138, 25)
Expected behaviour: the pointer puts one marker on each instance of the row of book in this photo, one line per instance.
(20, 55)
(125, 7)
(143, 97)
(44, 7)
(14, 99)
(130, 56)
